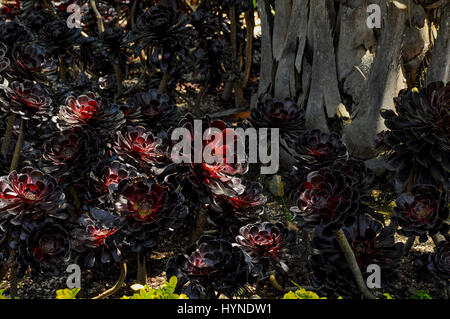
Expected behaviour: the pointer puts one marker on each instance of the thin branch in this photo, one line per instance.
(351, 260)
(250, 23)
(142, 269)
(118, 285)
(19, 143)
(8, 134)
(274, 282)
(100, 26)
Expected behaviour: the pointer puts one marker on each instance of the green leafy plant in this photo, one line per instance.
(421, 294)
(67, 293)
(301, 293)
(1, 294)
(165, 292)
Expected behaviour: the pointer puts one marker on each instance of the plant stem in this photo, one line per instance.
(227, 91)
(119, 78)
(239, 93)
(408, 245)
(132, 13)
(13, 281)
(8, 134)
(200, 224)
(351, 260)
(437, 238)
(62, 69)
(100, 26)
(250, 23)
(306, 241)
(118, 285)
(142, 269)
(163, 84)
(275, 284)
(74, 194)
(19, 143)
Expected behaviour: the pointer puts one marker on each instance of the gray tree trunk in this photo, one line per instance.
(323, 54)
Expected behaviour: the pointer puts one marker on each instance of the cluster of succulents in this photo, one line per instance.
(89, 172)
(418, 139)
(372, 244)
(96, 180)
(331, 190)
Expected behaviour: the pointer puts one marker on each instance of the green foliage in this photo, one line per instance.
(301, 293)
(421, 294)
(386, 296)
(67, 293)
(1, 294)
(165, 292)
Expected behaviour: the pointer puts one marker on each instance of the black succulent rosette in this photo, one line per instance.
(292, 179)
(112, 43)
(327, 198)
(69, 155)
(372, 244)
(105, 178)
(283, 114)
(152, 212)
(60, 40)
(208, 62)
(362, 177)
(33, 18)
(41, 245)
(439, 262)
(419, 137)
(422, 212)
(211, 265)
(140, 146)
(229, 213)
(220, 176)
(28, 100)
(12, 32)
(30, 60)
(157, 110)
(268, 244)
(316, 149)
(169, 33)
(95, 239)
(29, 193)
(89, 111)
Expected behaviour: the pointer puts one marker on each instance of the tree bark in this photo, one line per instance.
(439, 68)
(324, 55)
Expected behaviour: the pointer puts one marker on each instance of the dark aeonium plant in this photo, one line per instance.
(211, 265)
(418, 139)
(328, 198)
(268, 244)
(29, 193)
(422, 212)
(371, 242)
